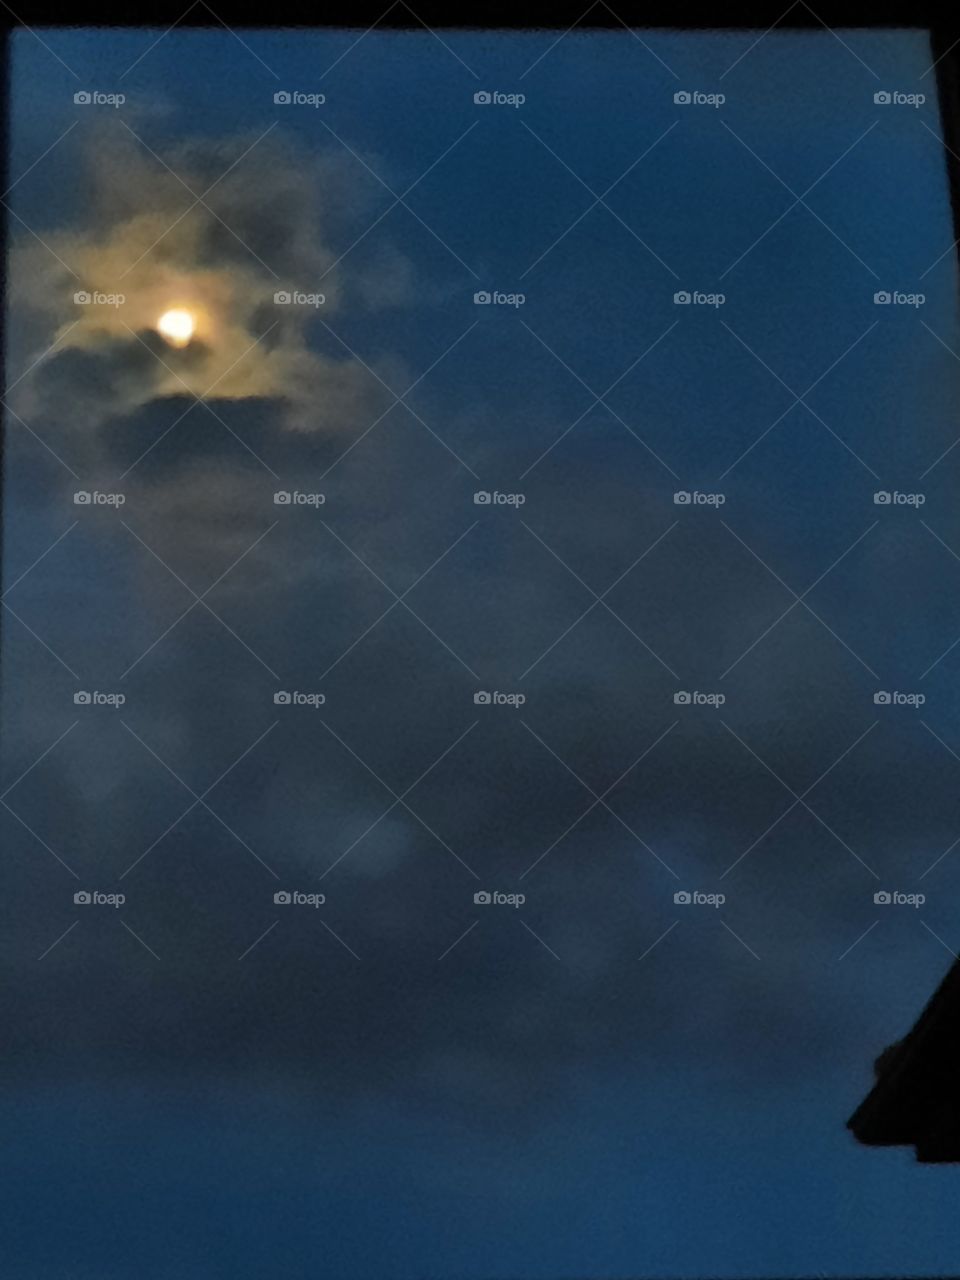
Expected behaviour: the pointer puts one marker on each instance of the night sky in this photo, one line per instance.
(586, 695)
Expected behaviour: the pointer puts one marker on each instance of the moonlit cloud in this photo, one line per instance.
(223, 260)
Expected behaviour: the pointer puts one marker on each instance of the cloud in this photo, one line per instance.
(140, 236)
(500, 1017)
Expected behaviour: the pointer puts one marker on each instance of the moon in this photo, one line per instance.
(177, 326)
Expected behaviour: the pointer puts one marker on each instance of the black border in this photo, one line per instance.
(760, 15)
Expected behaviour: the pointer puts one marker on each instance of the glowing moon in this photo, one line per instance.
(177, 327)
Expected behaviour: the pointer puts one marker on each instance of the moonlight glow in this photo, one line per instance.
(177, 327)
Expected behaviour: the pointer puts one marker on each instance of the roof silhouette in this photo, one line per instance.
(916, 1098)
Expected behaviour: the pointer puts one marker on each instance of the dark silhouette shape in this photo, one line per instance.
(916, 1099)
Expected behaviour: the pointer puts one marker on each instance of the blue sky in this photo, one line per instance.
(404, 1083)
